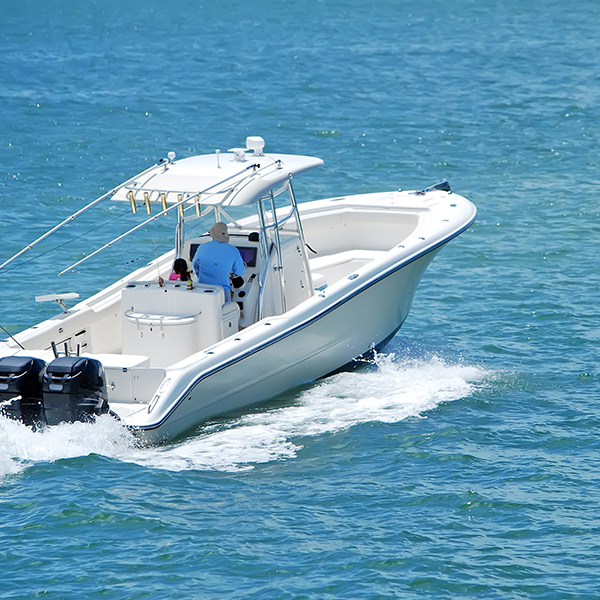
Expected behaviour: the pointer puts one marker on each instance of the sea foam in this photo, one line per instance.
(386, 391)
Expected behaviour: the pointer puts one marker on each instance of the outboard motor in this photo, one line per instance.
(74, 389)
(21, 389)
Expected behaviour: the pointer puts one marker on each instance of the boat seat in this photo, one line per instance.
(171, 322)
(328, 260)
(333, 267)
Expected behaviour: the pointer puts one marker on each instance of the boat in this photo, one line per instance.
(326, 282)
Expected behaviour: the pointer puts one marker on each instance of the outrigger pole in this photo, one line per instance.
(162, 212)
(162, 163)
(77, 214)
(218, 209)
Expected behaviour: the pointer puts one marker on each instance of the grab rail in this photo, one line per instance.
(151, 320)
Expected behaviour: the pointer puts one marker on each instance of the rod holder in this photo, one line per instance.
(132, 202)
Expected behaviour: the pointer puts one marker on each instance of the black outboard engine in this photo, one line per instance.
(21, 389)
(74, 389)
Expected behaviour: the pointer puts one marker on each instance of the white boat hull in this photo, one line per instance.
(174, 356)
(327, 340)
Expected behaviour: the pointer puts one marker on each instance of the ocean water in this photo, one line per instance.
(464, 461)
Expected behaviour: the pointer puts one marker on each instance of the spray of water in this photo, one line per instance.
(390, 392)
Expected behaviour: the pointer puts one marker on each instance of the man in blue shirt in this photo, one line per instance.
(215, 260)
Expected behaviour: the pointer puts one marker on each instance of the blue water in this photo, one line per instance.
(463, 463)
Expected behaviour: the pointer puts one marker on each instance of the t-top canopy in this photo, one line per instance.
(233, 179)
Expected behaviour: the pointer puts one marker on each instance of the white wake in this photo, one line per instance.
(388, 392)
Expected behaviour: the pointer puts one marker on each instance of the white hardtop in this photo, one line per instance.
(240, 176)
